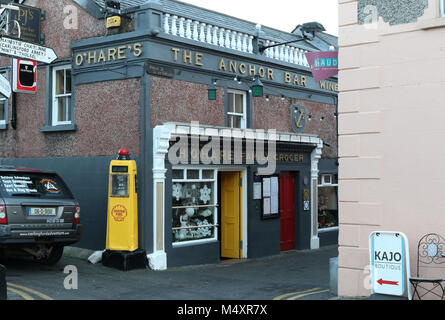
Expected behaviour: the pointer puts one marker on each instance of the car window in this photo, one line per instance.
(42, 185)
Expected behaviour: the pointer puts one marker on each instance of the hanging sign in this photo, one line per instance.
(324, 64)
(5, 87)
(24, 76)
(389, 257)
(25, 50)
(29, 19)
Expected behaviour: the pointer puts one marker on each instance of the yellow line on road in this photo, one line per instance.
(294, 293)
(306, 294)
(22, 294)
(39, 294)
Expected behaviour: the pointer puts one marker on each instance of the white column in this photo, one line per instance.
(174, 27)
(181, 27)
(215, 36)
(166, 23)
(161, 143)
(315, 158)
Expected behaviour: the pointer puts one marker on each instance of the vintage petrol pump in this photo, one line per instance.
(122, 250)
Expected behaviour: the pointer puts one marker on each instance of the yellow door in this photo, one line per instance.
(230, 215)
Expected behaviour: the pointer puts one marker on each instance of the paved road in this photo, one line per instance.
(296, 275)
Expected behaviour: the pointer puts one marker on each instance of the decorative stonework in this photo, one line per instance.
(393, 12)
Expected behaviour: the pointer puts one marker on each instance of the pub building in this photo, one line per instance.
(236, 144)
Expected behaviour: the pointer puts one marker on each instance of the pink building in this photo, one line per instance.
(391, 105)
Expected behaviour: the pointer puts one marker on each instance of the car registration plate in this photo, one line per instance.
(42, 211)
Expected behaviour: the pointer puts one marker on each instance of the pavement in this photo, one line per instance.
(293, 275)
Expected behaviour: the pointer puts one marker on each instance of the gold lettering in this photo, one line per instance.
(242, 68)
(232, 66)
(198, 57)
(261, 72)
(92, 57)
(175, 54)
(252, 70)
(187, 57)
(101, 57)
(269, 74)
(301, 158)
(121, 53)
(287, 77)
(303, 81)
(79, 59)
(222, 65)
(112, 54)
(296, 80)
(137, 49)
(336, 87)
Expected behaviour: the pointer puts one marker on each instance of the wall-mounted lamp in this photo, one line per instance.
(257, 88)
(282, 98)
(267, 99)
(212, 91)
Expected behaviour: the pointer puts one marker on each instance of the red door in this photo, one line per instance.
(287, 211)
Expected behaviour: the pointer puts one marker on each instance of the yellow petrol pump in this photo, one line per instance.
(122, 217)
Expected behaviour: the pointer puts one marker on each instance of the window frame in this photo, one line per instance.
(54, 103)
(442, 8)
(215, 224)
(230, 114)
(5, 101)
(325, 184)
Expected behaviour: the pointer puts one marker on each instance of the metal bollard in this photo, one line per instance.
(3, 292)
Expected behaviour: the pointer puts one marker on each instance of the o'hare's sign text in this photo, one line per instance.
(25, 50)
(389, 263)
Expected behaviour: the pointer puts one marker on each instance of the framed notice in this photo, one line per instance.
(270, 196)
(257, 191)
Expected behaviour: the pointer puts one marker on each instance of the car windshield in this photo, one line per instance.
(45, 185)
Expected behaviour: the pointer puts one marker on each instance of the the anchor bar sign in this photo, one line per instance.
(389, 263)
(25, 50)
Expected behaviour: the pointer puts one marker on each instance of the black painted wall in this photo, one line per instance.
(87, 178)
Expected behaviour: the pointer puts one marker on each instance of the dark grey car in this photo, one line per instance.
(38, 214)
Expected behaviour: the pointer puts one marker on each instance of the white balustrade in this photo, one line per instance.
(181, 27)
(230, 39)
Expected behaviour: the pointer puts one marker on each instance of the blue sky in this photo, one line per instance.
(283, 15)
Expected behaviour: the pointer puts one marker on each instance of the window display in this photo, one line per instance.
(327, 202)
(194, 203)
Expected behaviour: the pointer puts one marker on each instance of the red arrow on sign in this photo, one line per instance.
(392, 283)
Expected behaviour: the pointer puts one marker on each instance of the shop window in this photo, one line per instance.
(194, 205)
(4, 105)
(327, 201)
(61, 107)
(442, 8)
(236, 114)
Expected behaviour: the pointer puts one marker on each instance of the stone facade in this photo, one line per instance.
(390, 102)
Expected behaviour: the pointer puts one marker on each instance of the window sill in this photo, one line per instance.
(328, 229)
(432, 23)
(68, 127)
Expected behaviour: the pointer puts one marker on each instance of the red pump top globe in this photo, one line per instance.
(124, 152)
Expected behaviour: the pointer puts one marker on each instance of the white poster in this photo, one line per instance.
(257, 191)
(266, 187)
(266, 206)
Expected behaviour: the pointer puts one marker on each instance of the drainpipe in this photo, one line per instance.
(14, 111)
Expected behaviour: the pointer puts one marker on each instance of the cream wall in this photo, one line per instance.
(392, 135)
